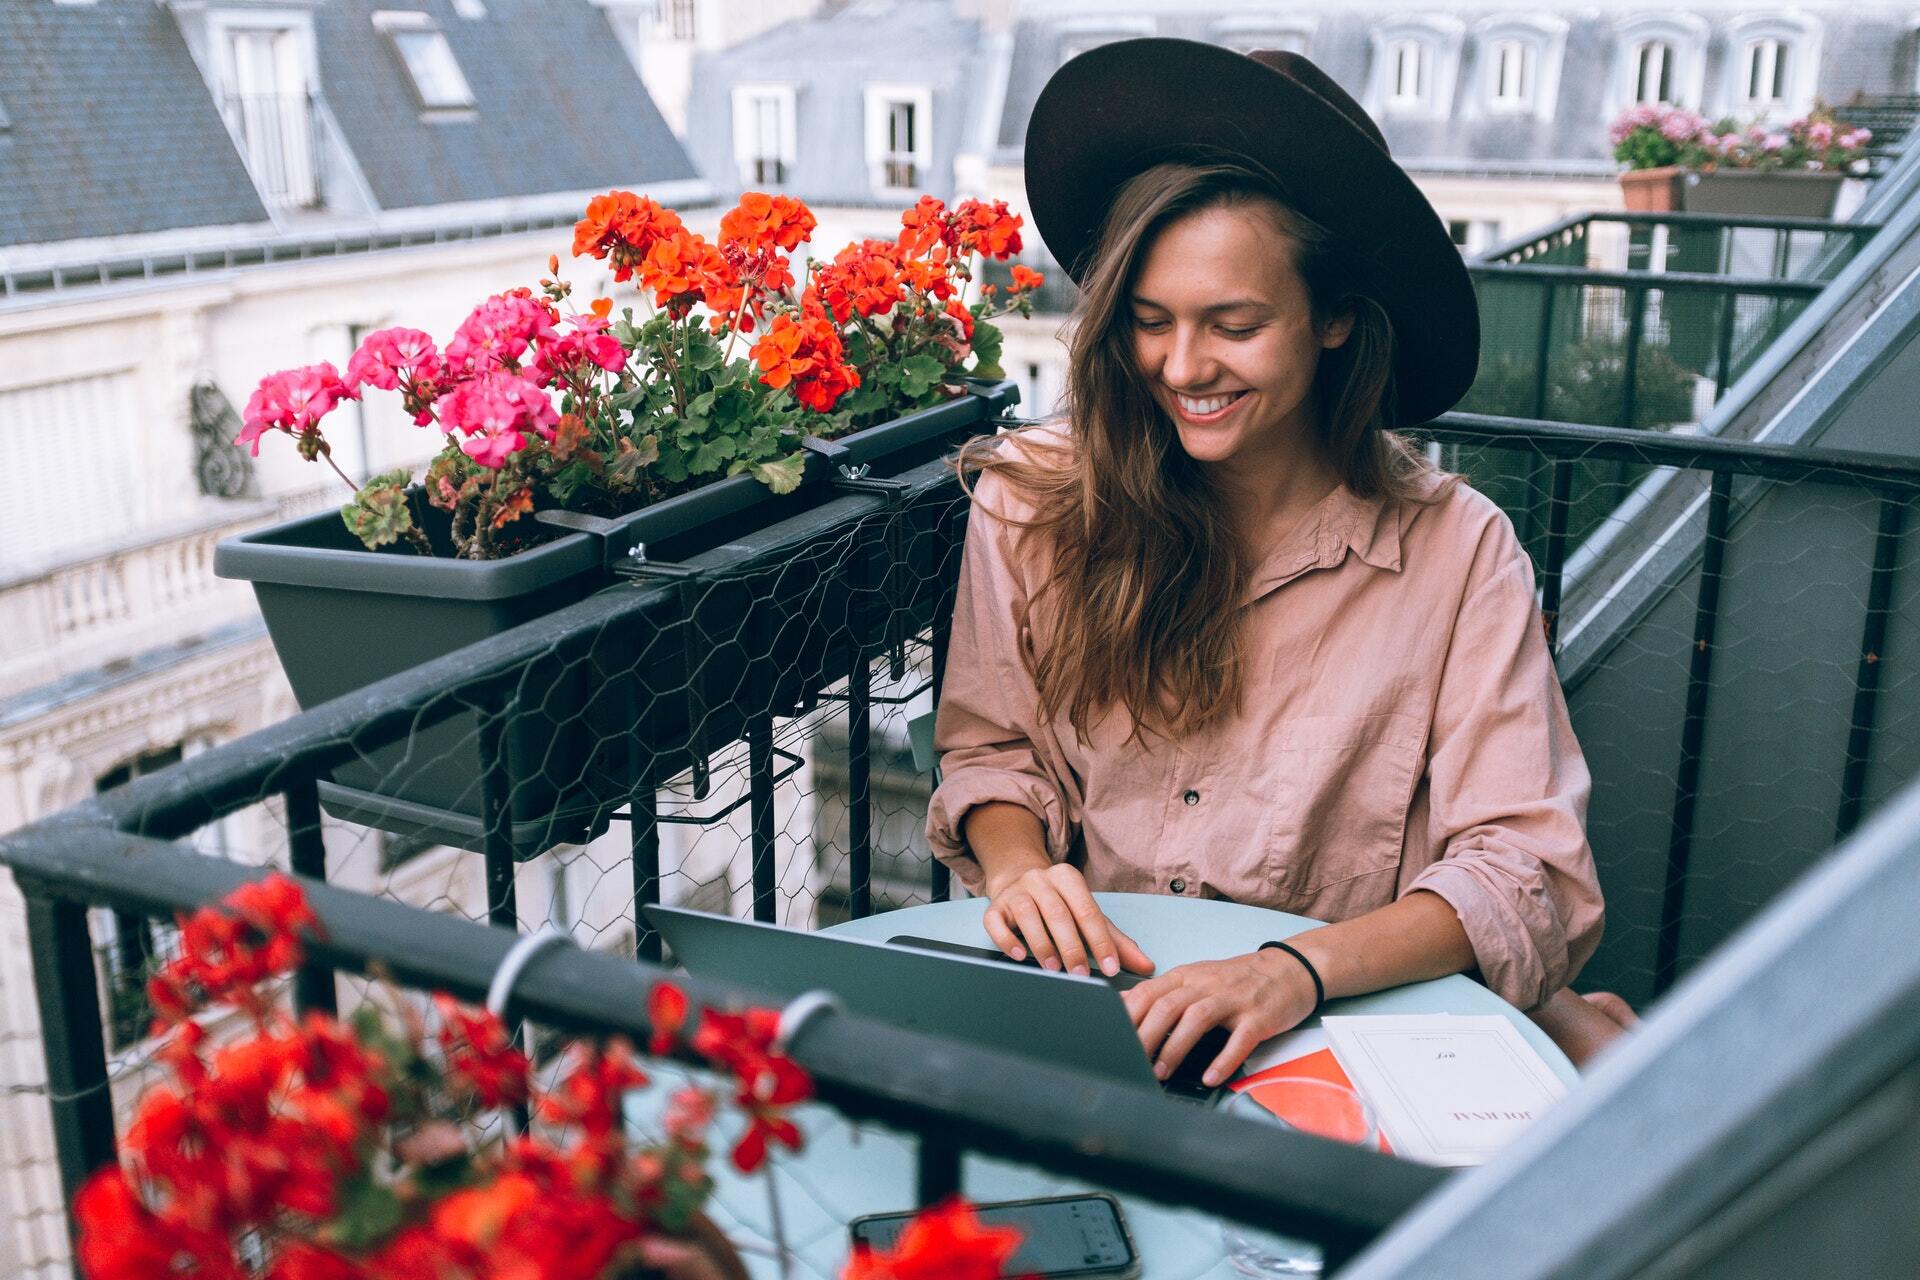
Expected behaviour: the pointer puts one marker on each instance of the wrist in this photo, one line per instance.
(1007, 867)
(1296, 969)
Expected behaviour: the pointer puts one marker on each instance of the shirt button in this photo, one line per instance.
(1192, 797)
(1178, 885)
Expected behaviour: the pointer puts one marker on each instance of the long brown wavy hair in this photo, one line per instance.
(1141, 608)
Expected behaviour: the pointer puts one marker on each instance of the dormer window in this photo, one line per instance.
(1771, 63)
(899, 130)
(438, 82)
(1409, 71)
(265, 78)
(1653, 72)
(1416, 63)
(1763, 74)
(674, 20)
(763, 133)
(1521, 64)
(1512, 75)
(1660, 57)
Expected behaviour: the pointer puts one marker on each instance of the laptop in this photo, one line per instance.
(967, 993)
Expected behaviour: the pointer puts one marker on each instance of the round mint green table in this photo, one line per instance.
(849, 1170)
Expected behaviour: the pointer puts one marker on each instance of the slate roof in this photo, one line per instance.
(832, 58)
(557, 105)
(113, 130)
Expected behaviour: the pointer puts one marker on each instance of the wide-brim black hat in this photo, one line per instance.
(1120, 108)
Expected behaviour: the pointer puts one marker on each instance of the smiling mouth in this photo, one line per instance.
(1203, 409)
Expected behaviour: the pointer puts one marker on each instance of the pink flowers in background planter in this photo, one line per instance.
(729, 365)
(1655, 136)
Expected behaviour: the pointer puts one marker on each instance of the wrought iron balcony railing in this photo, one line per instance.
(689, 705)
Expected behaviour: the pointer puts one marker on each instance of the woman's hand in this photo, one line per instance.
(1254, 997)
(1049, 911)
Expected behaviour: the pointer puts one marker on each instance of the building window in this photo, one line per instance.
(898, 125)
(1764, 64)
(1661, 57)
(1512, 75)
(1409, 65)
(437, 79)
(673, 19)
(1653, 72)
(269, 112)
(6, 121)
(763, 133)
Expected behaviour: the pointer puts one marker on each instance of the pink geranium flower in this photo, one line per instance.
(493, 411)
(403, 360)
(387, 356)
(293, 400)
(566, 355)
(493, 450)
(497, 333)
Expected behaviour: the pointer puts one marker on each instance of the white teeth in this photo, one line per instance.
(1213, 404)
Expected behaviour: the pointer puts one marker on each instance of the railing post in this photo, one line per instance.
(1873, 645)
(496, 816)
(1692, 732)
(1630, 366)
(1723, 371)
(860, 780)
(69, 999)
(760, 809)
(1553, 564)
(313, 985)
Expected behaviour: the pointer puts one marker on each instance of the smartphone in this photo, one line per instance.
(1060, 1236)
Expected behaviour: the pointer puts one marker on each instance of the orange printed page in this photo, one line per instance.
(1319, 1065)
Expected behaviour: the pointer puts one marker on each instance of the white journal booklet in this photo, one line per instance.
(1447, 1089)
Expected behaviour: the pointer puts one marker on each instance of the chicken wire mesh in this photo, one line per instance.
(731, 726)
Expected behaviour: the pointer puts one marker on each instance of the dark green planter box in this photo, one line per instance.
(1807, 193)
(342, 617)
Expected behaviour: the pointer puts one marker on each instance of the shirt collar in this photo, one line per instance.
(1343, 522)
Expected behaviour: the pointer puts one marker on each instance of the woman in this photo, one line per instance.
(1224, 634)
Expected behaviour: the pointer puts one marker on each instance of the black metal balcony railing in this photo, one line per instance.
(701, 689)
(280, 138)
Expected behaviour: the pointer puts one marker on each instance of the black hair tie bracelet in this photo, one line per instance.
(1319, 988)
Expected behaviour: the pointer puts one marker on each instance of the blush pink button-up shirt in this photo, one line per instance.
(1401, 728)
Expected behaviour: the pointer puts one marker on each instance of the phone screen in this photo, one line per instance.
(1070, 1236)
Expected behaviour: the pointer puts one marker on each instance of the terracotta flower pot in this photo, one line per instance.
(1653, 190)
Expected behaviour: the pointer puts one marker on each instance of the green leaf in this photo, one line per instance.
(782, 475)
(918, 373)
(987, 342)
(706, 354)
(701, 404)
(379, 513)
(629, 461)
(369, 1212)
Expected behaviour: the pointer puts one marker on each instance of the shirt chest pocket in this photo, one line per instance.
(1338, 789)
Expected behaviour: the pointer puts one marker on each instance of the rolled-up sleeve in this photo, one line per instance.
(988, 730)
(1508, 789)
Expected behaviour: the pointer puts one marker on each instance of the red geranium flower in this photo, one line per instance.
(946, 1242)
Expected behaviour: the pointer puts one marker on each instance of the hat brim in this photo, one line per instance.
(1120, 108)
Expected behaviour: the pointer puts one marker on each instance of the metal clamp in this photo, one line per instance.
(801, 1010)
(515, 963)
